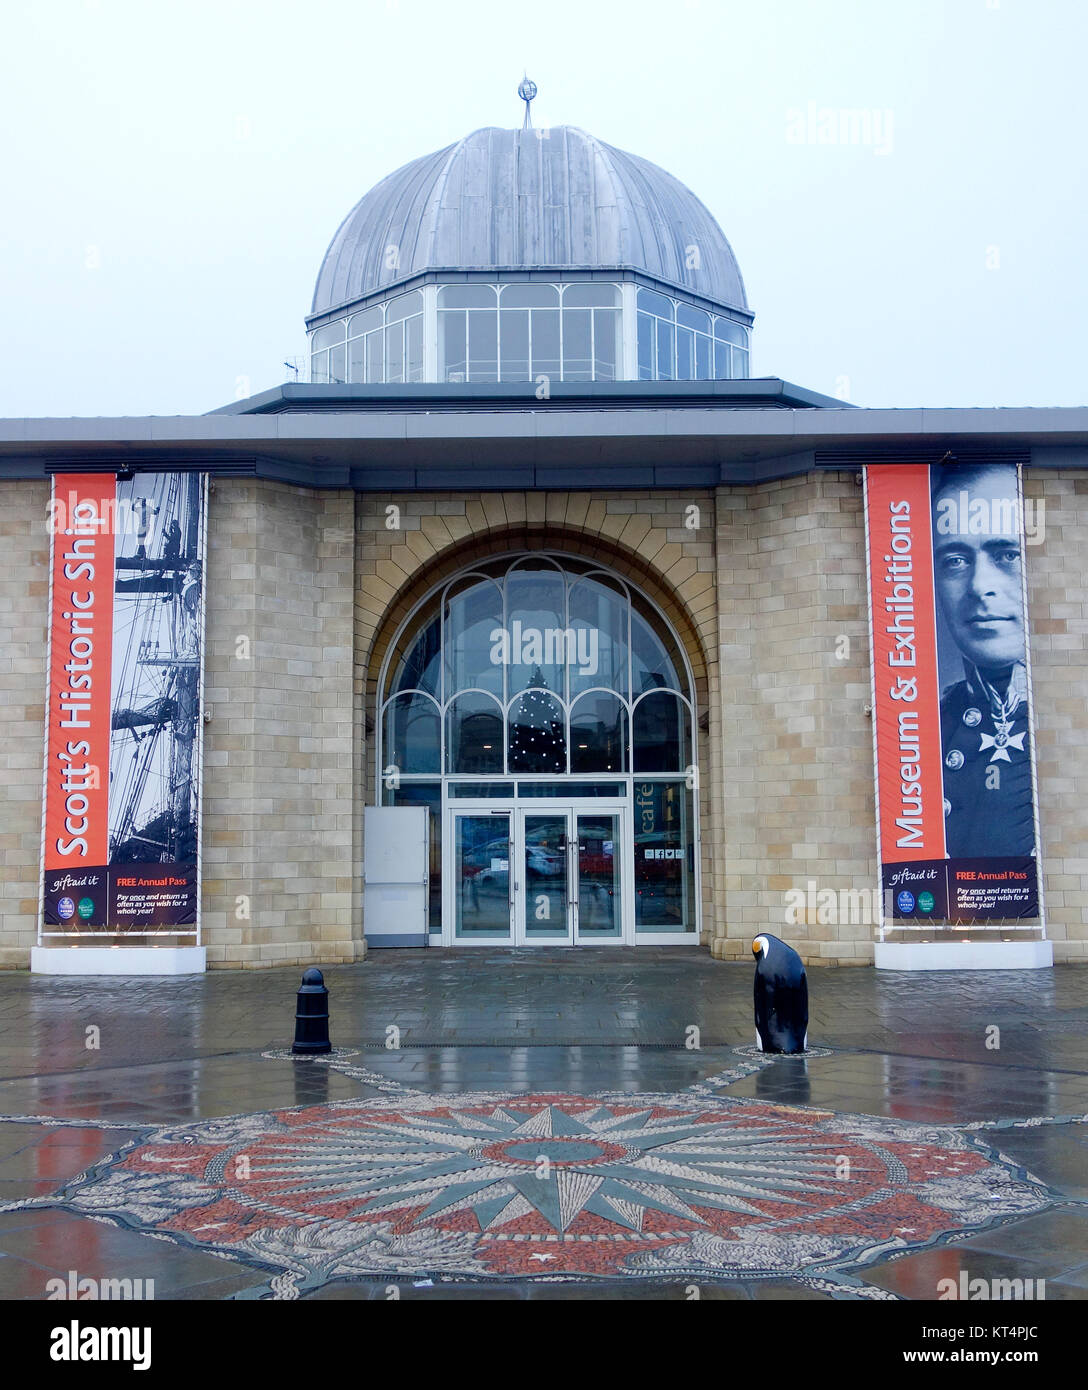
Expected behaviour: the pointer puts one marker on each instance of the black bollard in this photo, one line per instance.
(312, 1015)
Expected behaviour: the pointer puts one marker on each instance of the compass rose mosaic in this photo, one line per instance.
(556, 1185)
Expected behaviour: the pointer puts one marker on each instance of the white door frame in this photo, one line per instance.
(515, 812)
(559, 810)
(623, 847)
(450, 884)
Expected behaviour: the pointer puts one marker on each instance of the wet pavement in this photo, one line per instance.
(112, 1059)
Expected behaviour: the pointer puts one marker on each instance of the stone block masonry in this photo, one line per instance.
(767, 592)
(24, 599)
(279, 865)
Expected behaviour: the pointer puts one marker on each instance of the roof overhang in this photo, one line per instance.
(634, 435)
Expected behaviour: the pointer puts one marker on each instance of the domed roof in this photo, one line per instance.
(553, 199)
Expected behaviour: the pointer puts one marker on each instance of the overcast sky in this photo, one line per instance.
(903, 184)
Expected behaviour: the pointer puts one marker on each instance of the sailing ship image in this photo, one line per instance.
(155, 722)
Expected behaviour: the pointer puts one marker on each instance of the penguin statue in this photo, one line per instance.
(781, 996)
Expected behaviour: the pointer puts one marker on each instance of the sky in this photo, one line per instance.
(904, 185)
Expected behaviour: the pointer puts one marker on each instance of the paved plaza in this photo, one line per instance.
(544, 1124)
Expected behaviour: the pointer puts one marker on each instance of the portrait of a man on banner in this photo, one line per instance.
(982, 656)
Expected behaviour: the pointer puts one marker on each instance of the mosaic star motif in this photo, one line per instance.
(567, 1186)
(552, 1161)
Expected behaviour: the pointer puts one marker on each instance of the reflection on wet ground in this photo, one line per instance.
(912, 1047)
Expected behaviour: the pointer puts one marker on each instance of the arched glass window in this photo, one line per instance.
(597, 610)
(530, 296)
(677, 341)
(404, 338)
(528, 329)
(591, 332)
(692, 333)
(536, 602)
(541, 675)
(661, 733)
(415, 661)
(365, 322)
(365, 351)
(730, 349)
(384, 343)
(468, 333)
(413, 738)
(473, 626)
(524, 330)
(536, 733)
(591, 294)
(538, 664)
(328, 356)
(598, 733)
(474, 734)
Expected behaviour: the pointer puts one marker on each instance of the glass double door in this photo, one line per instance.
(547, 876)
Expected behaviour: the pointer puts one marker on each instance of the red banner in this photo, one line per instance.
(907, 707)
(123, 719)
(951, 694)
(78, 712)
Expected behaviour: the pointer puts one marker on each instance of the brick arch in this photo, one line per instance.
(697, 637)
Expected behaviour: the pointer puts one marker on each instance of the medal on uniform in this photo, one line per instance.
(1002, 741)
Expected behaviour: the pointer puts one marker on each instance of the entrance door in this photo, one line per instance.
(570, 876)
(598, 885)
(546, 906)
(481, 883)
(538, 876)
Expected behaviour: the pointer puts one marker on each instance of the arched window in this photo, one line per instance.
(404, 338)
(524, 330)
(730, 349)
(384, 343)
(413, 741)
(598, 733)
(328, 358)
(474, 734)
(679, 342)
(538, 664)
(365, 346)
(661, 733)
(468, 333)
(536, 732)
(541, 675)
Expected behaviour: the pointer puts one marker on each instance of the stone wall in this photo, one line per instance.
(1058, 617)
(797, 759)
(768, 594)
(278, 750)
(24, 599)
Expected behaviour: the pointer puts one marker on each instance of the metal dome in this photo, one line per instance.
(553, 199)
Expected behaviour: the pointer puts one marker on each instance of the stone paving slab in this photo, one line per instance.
(595, 995)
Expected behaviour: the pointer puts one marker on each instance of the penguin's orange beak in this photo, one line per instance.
(755, 949)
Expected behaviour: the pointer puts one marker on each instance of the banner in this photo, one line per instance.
(123, 743)
(953, 735)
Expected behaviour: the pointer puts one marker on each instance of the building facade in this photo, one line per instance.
(533, 550)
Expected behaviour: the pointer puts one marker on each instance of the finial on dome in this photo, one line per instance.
(527, 90)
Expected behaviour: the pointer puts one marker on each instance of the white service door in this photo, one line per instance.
(395, 870)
